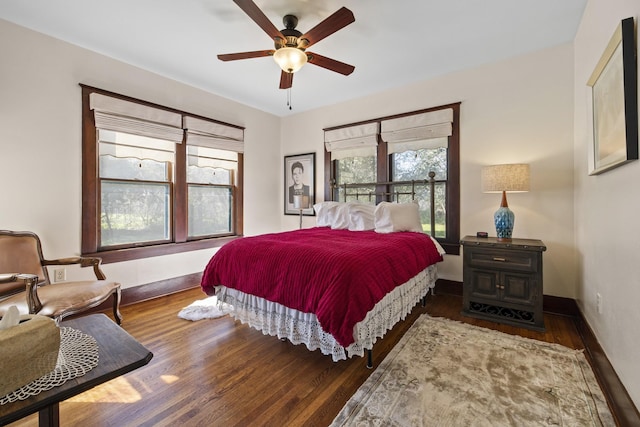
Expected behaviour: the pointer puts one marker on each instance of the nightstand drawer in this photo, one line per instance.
(503, 259)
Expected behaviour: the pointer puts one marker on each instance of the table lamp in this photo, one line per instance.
(301, 203)
(503, 178)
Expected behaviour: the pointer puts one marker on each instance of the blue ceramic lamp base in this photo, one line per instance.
(504, 220)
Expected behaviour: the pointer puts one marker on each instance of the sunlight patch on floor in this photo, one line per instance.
(168, 379)
(118, 390)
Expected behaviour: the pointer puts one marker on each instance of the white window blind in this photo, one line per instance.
(204, 133)
(129, 117)
(419, 144)
(200, 156)
(360, 140)
(425, 130)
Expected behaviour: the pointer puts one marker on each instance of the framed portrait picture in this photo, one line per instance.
(299, 184)
(613, 103)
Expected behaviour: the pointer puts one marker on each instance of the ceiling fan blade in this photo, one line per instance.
(245, 55)
(333, 23)
(254, 12)
(286, 80)
(330, 64)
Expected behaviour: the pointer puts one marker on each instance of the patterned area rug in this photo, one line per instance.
(446, 373)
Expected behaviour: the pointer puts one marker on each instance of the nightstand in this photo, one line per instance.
(502, 280)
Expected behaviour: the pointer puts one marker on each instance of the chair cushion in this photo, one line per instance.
(19, 300)
(10, 288)
(63, 299)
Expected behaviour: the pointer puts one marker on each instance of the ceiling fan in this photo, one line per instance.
(290, 44)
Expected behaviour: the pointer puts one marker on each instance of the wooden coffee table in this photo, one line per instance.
(119, 353)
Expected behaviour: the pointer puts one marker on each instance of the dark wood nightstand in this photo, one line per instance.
(502, 280)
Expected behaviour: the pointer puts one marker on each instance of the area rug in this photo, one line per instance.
(207, 308)
(446, 373)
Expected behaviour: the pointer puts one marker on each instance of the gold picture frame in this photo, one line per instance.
(613, 105)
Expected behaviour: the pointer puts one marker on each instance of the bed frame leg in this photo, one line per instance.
(423, 300)
(369, 358)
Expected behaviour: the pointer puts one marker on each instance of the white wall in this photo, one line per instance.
(519, 110)
(40, 146)
(606, 208)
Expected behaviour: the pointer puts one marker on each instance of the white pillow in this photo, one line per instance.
(322, 212)
(391, 217)
(338, 216)
(361, 217)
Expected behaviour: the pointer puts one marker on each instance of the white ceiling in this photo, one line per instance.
(391, 43)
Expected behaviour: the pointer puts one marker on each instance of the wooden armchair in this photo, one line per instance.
(24, 281)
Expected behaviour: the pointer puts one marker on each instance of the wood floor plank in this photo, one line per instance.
(218, 372)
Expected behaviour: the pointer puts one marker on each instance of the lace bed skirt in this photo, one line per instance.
(303, 328)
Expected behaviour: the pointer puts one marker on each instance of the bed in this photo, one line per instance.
(336, 287)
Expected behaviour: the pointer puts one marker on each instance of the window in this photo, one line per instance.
(402, 148)
(356, 169)
(135, 189)
(354, 156)
(210, 175)
(155, 180)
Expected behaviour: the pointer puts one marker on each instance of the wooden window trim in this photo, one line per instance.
(90, 195)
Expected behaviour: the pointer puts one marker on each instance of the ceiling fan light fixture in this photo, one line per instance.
(290, 59)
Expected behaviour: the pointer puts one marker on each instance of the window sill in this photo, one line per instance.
(451, 248)
(119, 255)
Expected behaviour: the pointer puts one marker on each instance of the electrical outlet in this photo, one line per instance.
(599, 302)
(59, 275)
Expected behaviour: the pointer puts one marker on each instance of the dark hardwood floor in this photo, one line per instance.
(222, 373)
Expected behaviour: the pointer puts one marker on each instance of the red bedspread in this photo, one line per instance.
(338, 275)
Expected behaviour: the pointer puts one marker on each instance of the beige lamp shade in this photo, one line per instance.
(509, 177)
(300, 201)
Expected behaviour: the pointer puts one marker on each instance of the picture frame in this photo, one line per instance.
(299, 184)
(613, 103)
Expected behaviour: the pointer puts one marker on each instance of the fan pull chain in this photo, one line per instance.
(289, 99)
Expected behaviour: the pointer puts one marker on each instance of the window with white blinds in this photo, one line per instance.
(164, 177)
(402, 148)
